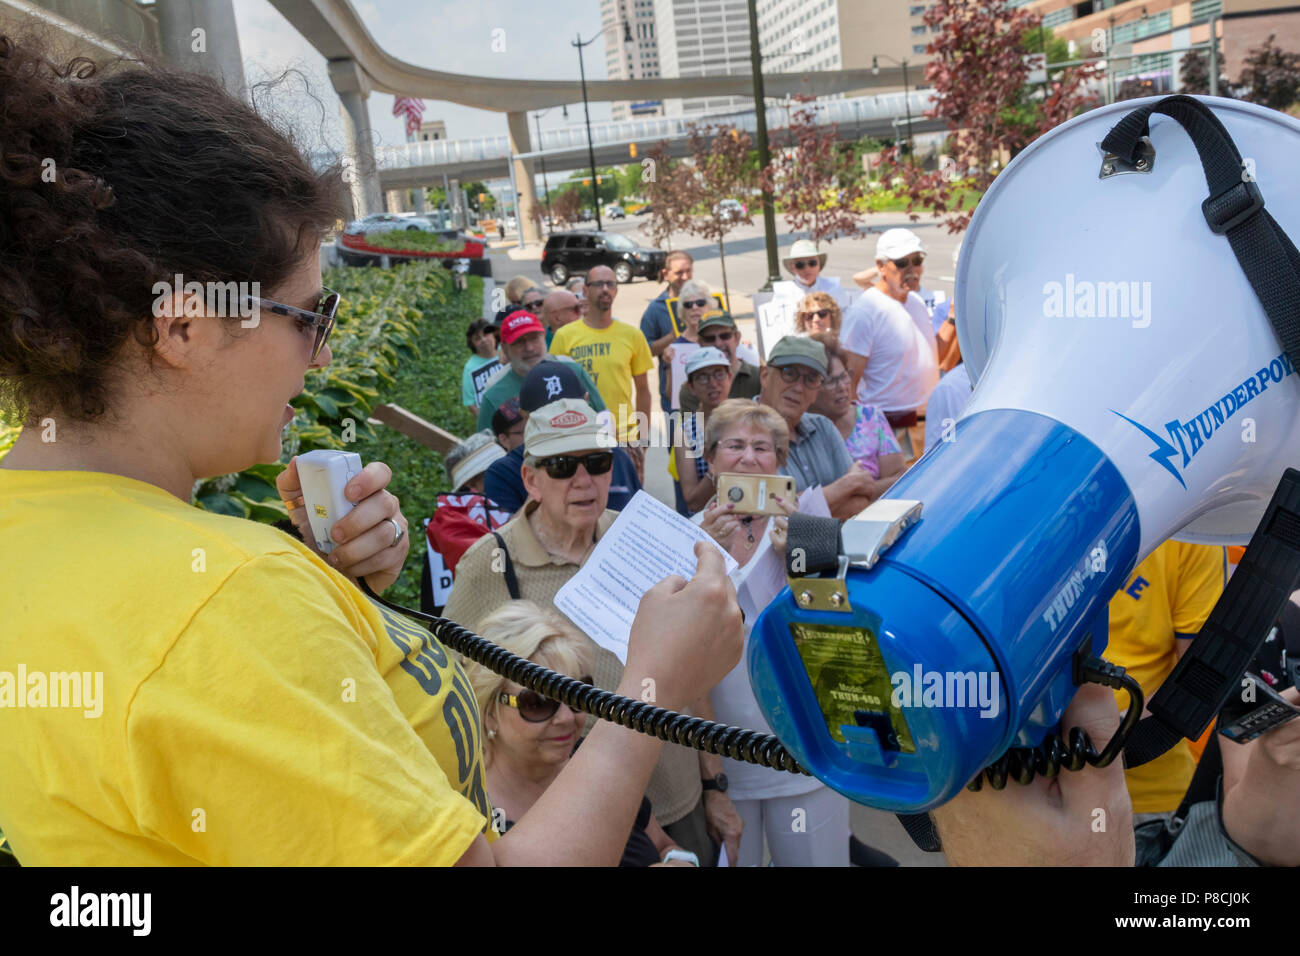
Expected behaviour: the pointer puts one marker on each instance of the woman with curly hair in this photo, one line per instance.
(200, 688)
(818, 312)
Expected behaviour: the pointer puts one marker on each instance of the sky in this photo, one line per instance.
(450, 35)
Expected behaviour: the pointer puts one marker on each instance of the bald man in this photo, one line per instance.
(559, 309)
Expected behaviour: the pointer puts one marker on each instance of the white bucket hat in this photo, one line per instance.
(802, 249)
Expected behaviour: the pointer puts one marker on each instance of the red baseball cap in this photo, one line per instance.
(519, 323)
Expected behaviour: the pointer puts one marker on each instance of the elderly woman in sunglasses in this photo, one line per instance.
(567, 465)
(529, 739)
(693, 302)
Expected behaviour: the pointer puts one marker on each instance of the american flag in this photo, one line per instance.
(414, 110)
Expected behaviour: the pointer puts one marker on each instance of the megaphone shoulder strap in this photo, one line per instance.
(1234, 209)
(1196, 689)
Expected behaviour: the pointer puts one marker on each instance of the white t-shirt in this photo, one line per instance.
(947, 401)
(902, 357)
(790, 289)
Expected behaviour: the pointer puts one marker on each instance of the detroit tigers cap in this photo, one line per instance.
(549, 381)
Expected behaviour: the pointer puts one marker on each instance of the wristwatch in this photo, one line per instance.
(718, 783)
(677, 854)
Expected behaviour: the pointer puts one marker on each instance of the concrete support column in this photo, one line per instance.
(201, 36)
(526, 202)
(419, 200)
(354, 89)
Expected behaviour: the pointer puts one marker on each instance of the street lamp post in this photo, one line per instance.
(537, 120)
(1214, 56)
(764, 153)
(907, 101)
(591, 150)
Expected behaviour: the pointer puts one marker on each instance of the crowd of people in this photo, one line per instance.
(843, 404)
(258, 708)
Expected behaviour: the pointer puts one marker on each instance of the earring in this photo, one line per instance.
(491, 734)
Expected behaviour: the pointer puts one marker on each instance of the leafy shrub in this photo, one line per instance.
(412, 240)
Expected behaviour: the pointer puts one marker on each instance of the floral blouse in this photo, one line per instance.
(871, 437)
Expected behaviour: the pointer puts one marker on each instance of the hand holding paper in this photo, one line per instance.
(648, 543)
(687, 635)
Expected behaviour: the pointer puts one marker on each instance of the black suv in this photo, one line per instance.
(575, 253)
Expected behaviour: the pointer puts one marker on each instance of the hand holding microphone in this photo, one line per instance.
(362, 531)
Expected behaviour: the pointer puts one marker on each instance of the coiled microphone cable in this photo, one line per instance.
(749, 746)
(1021, 764)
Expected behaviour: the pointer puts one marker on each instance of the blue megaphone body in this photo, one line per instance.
(1128, 387)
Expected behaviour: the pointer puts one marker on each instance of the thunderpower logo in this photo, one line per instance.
(1190, 436)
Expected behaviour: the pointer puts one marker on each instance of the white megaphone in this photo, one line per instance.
(1129, 387)
(1106, 303)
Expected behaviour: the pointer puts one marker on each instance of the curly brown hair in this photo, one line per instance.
(117, 176)
(810, 304)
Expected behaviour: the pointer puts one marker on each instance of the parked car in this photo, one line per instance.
(383, 221)
(614, 211)
(575, 253)
(645, 210)
(730, 209)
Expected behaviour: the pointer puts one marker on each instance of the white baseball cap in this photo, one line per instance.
(897, 243)
(705, 358)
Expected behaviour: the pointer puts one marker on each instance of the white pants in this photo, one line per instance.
(811, 829)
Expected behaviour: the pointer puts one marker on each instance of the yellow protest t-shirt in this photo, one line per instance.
(1170, 593)
(612, 357)
(239, 702)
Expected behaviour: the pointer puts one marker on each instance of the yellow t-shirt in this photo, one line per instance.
(251, 705)
(1171, 592)
(612, 357)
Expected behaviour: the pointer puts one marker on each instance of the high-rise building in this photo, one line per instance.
(634, 60)
(816, 35)
(703, 38)
(432, 129)
(1144, 37)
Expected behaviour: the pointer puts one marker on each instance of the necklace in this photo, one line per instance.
(749, 527)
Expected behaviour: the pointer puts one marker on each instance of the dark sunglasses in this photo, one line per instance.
(806, 263)
(566, 466)
(819, 314)
(532, 706)
(322, 318)
(710, 338)
(533, 306)
(915, 259)
(695, 304)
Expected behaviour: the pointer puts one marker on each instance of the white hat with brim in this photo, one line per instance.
(475, 464)
(802, 249)
(563, 427)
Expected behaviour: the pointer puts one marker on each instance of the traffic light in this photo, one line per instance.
(631, 149)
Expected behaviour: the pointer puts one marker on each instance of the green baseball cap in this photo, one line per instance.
(798, 350)
(717, 318)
